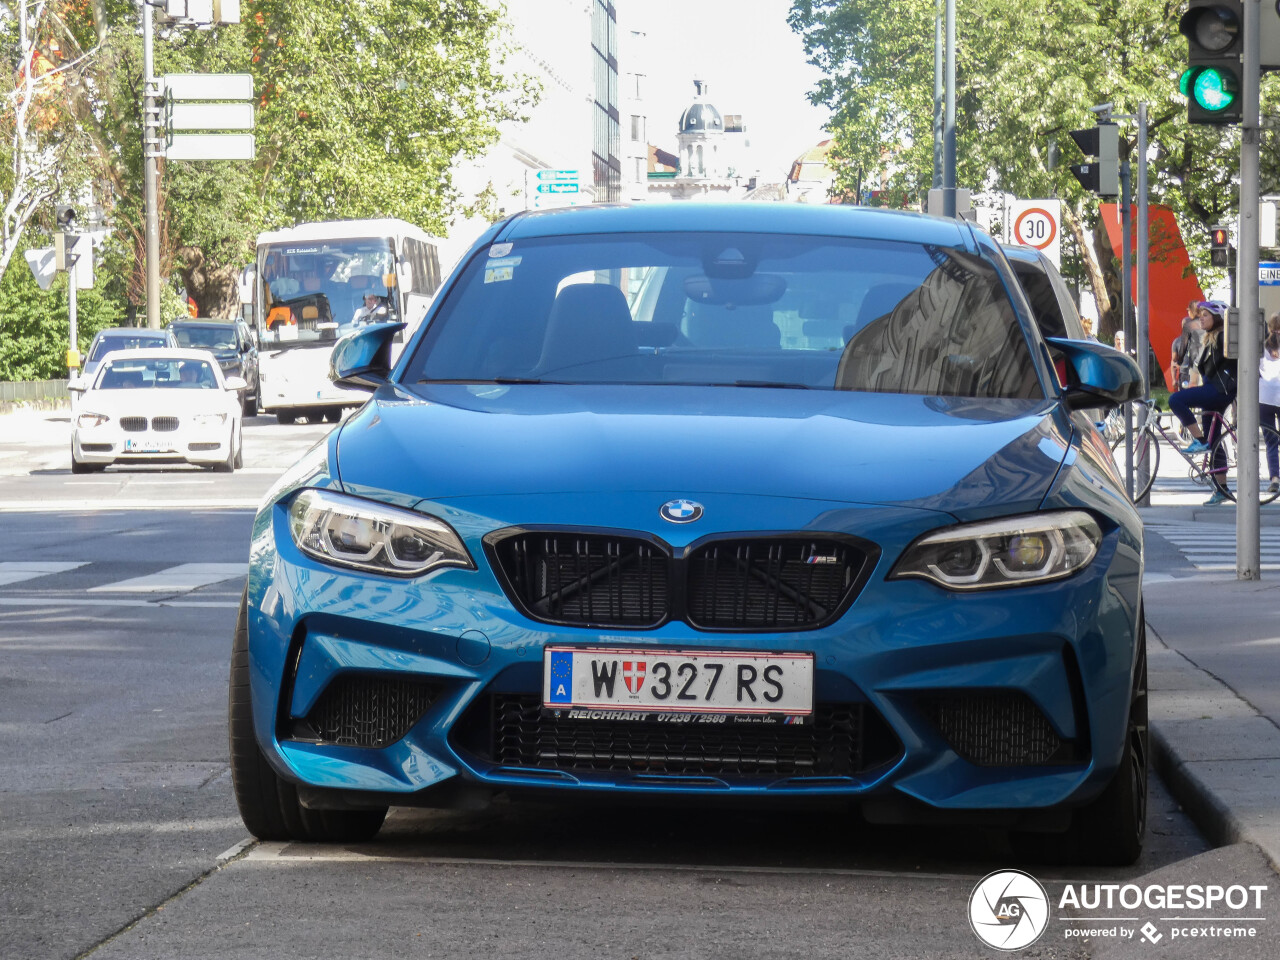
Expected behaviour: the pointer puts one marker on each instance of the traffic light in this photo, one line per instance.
(1219, 246)
(1102, 145)
(64, 214)
(1215, 39)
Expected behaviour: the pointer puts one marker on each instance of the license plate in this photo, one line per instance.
(678, 681)
(145, 446)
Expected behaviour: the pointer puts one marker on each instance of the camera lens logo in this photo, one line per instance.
(1008, 910)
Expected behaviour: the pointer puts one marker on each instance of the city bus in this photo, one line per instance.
(315, 282)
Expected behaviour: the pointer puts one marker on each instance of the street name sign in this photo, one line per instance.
(559, 186)
(207, 86)
(210, 146)
(210, 116)
(1037, 223)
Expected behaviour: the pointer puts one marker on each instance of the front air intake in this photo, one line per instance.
(358, 710)
(999, 729)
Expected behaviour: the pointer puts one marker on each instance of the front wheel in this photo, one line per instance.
(269, 805)
(1223, 465)
(1146, 461)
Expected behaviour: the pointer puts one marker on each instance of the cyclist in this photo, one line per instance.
(1269, 398)
(1214, 395)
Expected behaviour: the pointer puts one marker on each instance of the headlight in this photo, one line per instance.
(365, 535)
(86, 420)
(1003, 553)
(208, 419)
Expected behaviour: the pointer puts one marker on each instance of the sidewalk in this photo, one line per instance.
(1213, 648)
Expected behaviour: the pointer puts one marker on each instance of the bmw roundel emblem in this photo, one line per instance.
(681, 511)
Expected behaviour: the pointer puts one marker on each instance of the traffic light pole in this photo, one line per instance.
(949, 120)
(1144, 265)
(1126, 234)
(1248, 550)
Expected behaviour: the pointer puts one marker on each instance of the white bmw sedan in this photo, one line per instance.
(161, 405)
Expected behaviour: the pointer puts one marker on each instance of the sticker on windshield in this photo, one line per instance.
(500, 249)
(496, 271)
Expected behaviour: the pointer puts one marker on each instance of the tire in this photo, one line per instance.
(79, 466)
(333, 414)
(1110, 830)
(239, 461)
(250, 405)
(1146, 461)
(1225, 477)
(285, 417)
(269, 805)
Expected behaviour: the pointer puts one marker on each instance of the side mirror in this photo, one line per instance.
(1097, 375)
(362, 360)
(245, 283)
(78, 385)
(236, 383)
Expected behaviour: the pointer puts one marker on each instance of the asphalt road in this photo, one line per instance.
(119, 836)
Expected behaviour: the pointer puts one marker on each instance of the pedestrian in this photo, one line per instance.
(1269, 398)
(1087, 323)
(1214, 395)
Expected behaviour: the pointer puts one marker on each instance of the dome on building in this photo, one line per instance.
(700, 116)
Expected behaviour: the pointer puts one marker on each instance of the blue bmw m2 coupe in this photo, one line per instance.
(756, 501)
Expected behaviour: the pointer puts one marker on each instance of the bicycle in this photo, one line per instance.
(1217, 465)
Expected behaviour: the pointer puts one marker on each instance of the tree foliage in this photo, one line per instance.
(1027, 72)
(363, 108)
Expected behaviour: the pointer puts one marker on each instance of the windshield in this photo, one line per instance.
(316, 291)
(206, 338)
(104, 345)
(165, 374)
(732, 309)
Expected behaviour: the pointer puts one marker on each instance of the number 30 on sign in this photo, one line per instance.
(1035, 223)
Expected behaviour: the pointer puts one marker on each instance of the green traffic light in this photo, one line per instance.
(1213, 89)
(1184, 82)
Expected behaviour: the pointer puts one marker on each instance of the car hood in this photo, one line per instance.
(444, 441)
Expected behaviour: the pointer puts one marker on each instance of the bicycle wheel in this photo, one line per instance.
(1146, 461)
(1223, 466)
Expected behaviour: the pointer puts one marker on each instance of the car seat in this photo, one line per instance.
(589, 323)
(750, 328)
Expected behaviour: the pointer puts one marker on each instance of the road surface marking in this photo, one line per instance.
(53, 602)
(183, 577)
(115, 506)
(15, 571)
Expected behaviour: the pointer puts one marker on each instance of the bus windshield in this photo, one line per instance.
(314, 291)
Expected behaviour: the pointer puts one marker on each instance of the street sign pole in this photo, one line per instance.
(1143, 265)
(1248, 547)
(1126, 318)
(150, 169)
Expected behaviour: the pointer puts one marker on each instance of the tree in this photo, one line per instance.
(362, 110)
(1027, 72)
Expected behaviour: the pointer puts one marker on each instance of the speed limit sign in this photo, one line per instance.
(1036, 223)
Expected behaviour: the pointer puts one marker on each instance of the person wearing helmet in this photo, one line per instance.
(1216, 392)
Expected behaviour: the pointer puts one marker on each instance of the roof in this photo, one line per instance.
(347, 230)
(162, 353)
(818, 219)
(129, 332)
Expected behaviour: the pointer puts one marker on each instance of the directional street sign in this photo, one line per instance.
(210, 116)
(559, 186)
(210, 146)
(558, 175)
(207, 86)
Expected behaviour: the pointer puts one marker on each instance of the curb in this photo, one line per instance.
(1216, 767)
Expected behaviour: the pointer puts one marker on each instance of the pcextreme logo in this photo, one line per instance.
(1008, 910)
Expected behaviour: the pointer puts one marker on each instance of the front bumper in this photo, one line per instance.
(195, 444)
(923, 668)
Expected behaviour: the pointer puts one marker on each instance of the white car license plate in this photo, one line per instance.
(145, 446)
(678, 681)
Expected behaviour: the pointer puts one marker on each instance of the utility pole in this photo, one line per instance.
(937, 94)
(1126, 317)
(1144, 269)
(1248, 547)
(151, 151)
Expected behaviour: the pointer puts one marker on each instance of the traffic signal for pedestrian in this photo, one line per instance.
(1215, 39)
(64, 214)
(1219, 246)
(1102, 145)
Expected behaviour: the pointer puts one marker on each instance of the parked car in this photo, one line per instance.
(158, 406)
(229, 341)
(1051, 302)
(727, 503)
(120, 338)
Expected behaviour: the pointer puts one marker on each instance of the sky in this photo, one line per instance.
(750, 58)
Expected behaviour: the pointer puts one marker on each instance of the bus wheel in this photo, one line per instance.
(333, 414)
(285, 416)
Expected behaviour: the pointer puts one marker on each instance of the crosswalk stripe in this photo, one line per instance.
(16, 571)
(185, 576)
(1213, 547)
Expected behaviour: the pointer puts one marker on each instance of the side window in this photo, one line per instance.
(426, 266)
